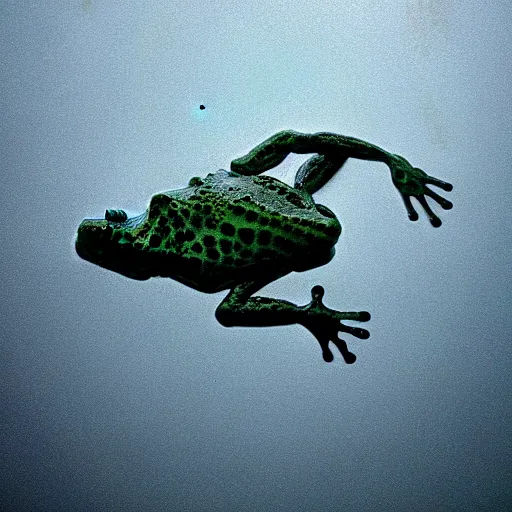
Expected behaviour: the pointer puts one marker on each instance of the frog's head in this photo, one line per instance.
(107, 243)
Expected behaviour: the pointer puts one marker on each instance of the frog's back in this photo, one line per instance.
(227, 227)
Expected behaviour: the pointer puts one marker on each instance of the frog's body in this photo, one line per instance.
(217, 233)
(236, 230)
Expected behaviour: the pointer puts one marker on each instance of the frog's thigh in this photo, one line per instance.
(315, 172)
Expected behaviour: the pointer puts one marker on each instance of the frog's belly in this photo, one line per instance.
(215, 277)
(210, 277)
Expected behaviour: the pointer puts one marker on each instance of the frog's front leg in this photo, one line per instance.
(240, 309)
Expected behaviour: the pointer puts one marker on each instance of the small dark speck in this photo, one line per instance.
(202, 107)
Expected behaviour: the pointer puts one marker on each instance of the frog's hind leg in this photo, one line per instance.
(315, 172)
(239, 308)
(335, 148)
(275, 149)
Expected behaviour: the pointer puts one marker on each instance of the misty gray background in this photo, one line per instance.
(118, 395)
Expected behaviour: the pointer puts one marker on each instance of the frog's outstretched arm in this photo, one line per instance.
(240, 309)
(333, 150)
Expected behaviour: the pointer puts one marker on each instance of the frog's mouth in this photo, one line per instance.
(94, 243)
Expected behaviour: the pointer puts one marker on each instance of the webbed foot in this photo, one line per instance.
(325, 324)
(412, 182)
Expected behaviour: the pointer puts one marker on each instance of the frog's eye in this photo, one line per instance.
(115, 215)
(195, 182)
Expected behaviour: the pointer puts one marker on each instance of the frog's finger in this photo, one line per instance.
(323, 340)
(326, 351)
(349, 357)
(362, 334)
(445, 204)
(411, 212)
(359, 316)
(434, 219)
(439, 183)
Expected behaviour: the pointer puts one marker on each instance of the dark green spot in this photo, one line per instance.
(251, 216)
(227, 229)
(209, 241)
(246, 235)
(178, 222)
(225, 246)
(197, 248)
(155, 241)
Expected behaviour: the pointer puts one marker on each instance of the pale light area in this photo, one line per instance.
(120, 395)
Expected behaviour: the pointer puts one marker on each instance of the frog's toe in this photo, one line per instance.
(317, 294)
(364, 316)
(362, 334)
(348, 356)
(327, 354)
(341, 345)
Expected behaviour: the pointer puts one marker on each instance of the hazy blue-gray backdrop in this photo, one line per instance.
(118, 395)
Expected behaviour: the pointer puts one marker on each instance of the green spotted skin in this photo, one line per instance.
(216, 231)
(240, 230)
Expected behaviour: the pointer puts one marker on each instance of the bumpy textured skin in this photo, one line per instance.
(239, 231)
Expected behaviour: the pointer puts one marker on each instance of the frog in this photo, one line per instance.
(240, 229)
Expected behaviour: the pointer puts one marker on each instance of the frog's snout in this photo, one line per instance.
(95, 244)
(91, 239)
